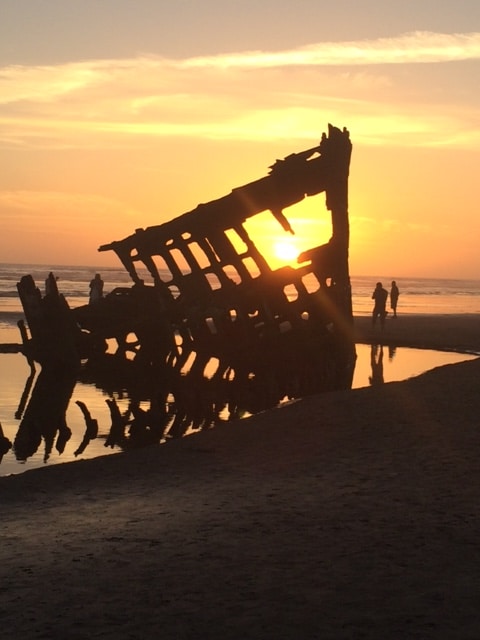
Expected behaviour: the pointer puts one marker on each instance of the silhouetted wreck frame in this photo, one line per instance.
(206, 316)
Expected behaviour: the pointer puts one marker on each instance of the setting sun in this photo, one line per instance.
(285, 250)
(311, 224)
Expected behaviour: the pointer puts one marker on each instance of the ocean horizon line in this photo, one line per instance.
(387, 277)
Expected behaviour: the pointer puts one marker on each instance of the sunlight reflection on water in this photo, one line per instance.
(378, 365)
(372, 367)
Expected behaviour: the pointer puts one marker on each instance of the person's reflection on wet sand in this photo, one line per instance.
(376, 361)
(391, 352)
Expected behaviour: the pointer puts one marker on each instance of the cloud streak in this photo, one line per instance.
(416, 47)
(246, 96)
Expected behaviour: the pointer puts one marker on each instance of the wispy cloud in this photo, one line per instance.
(247, 96)
(416, 47)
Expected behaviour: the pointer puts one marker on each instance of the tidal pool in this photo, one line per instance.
(375, 366)
(380, 364)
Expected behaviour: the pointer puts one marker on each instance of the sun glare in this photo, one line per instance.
(310, 225)
(285, 250)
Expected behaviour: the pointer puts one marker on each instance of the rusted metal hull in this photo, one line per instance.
(207, 321)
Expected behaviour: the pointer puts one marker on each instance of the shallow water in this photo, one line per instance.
(379, 365)
(374, 366)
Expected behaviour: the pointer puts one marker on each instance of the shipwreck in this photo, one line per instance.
(207, 323)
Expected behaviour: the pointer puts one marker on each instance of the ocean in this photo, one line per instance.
(417, 296)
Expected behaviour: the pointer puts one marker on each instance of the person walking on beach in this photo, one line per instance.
(96, 289)
(380, 296)
(394, 293)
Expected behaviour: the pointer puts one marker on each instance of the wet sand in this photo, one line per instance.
(347, 515)
(443, 332)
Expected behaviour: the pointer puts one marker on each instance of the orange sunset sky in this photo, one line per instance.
(122, 114)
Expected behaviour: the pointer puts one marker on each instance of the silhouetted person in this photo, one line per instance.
(51, 288)
(96, 289)
(380, 296)
(394, 293)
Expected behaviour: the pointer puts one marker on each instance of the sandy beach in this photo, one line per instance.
(453, 332)
(350, 515)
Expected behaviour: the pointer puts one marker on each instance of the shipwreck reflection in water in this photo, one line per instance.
(209, 329)
(140, 413)
(170, 402)
(45, 414)
(147, 405)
